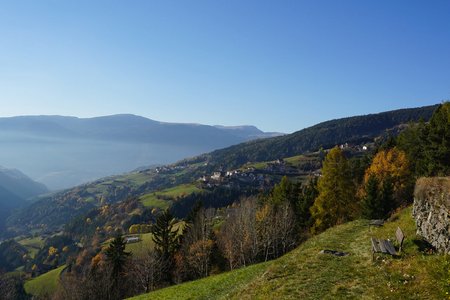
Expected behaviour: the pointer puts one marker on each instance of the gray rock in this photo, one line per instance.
(431, 211)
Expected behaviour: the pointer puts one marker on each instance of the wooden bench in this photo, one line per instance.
(386, 246)
(377, 223)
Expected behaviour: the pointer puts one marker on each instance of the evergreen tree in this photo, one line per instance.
(116, 255)
(166, 241)
(428, 145)
(308, 193)
(413, 142)
(437, 150)
(335, 203)
(387, 196)
(283, 192)
(372, 208)
(117, 258)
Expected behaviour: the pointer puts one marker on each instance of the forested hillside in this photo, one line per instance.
(350, 130)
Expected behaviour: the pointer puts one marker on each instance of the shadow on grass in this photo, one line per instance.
(424, 247)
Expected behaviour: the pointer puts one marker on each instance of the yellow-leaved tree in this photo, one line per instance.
(336, 201)
(392, 165)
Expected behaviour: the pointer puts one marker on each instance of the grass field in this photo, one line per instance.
(146, 242)
(306, 274)
(45, 284)
(141, 247)
(154, 199)
(33, 245)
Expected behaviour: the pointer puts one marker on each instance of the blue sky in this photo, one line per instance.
(279, 65)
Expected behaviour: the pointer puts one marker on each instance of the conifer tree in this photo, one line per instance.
(335, 203)
(372, 207)
(283, 192)
(306, 196)
(437, 148)
(166, 241)
(387, 196)
(117, 257)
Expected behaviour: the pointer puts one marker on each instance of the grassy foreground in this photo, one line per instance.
(45, 284)
(306, 274)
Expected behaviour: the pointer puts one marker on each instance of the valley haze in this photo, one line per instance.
(61, 151)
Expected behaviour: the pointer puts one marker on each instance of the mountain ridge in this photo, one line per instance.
(356, 129)
(65, 151)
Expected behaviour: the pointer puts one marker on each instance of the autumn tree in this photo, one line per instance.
(335, 203)
(197, 245)
(147, 271)
(237, 237)
(391, 167)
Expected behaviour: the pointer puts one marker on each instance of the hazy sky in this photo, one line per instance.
(279, 65)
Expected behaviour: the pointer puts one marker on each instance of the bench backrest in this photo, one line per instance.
(400, 237)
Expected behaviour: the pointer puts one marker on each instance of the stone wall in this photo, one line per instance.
(431, 211)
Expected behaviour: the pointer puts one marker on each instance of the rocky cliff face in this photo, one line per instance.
(432, 211)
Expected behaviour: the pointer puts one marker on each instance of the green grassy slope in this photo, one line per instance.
(161, 199)
(45, 284)
(33, 245)
(140, 248)
(306, 274)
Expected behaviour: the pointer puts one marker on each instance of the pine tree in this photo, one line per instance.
(308, 193)
(372, 207)
(283, 192)
(387, 196)
(335, 203)
(166, 241)
(116, 255)
(118, 258)
(437, 149)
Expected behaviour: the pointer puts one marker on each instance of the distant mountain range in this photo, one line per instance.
(65, 151)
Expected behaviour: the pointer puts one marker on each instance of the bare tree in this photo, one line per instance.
(197, 246)
(146, 271)
(238, 239)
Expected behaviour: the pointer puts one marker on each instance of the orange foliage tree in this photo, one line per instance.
(392, 165)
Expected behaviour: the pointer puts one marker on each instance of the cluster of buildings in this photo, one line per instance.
(358, 148)
(249, 176)
(234, 178)
(168, 169)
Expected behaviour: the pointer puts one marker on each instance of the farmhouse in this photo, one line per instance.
(132, 239)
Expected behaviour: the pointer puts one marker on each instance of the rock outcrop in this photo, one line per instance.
(432, 211)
